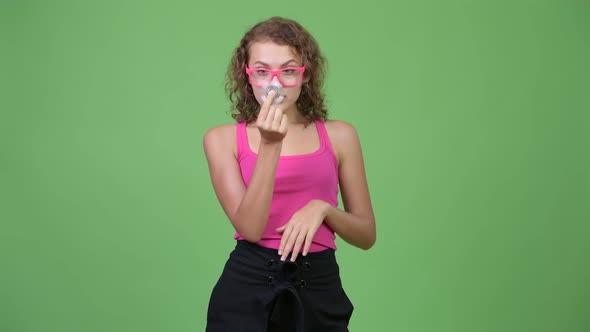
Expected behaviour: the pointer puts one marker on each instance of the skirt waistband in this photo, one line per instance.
(261, 264)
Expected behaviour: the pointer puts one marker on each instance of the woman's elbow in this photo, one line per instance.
(371, 238)
(250, 235)
(254, 238)
(246, 230)
(369, 243)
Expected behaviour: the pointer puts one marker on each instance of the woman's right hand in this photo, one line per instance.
(271, 122)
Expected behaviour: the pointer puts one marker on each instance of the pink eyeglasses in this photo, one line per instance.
(289, 76)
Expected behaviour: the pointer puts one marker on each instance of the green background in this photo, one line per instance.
(473, 116)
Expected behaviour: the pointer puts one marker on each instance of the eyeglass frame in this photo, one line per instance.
(276, 73)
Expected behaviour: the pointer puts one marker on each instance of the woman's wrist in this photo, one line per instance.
(323, 206)
(270, 147)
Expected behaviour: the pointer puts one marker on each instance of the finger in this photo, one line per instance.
(272, 113)
(270, 97)
(290, 242)
(264, 109)
(262, 115)
(284, 238)
(278, 117)
(281, 229)
(297, 246)
(308, 241)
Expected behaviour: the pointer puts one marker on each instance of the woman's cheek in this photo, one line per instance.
(292, 96)
(258, 95)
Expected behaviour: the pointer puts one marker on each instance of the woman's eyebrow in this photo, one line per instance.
(264, 64)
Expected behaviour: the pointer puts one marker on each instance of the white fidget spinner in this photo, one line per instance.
(277, 88)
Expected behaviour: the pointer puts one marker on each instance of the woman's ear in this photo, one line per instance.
(306, 79)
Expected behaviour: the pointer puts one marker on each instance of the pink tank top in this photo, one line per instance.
(299, 179)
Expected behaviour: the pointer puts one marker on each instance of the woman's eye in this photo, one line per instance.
(289, 71)
(262, 72)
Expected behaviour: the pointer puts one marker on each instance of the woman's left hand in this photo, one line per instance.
(299, 231)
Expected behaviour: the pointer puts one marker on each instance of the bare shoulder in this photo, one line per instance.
(220, 138)
(343, 137)
(340, 129)
(221, 132)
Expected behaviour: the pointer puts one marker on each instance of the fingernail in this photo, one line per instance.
(283, 259)
(292, 259)
(280, 252)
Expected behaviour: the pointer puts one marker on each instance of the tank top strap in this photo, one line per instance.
(241, 139)
(324, 138)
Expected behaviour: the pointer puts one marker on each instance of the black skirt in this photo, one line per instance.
(257, 292)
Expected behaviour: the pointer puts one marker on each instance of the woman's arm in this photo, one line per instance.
(356, 224)
(247, 208)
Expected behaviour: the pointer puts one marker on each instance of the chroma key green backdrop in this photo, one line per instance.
(473, 116)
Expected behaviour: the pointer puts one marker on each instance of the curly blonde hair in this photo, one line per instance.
(282, 31)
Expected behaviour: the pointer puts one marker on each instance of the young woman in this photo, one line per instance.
(277, 173)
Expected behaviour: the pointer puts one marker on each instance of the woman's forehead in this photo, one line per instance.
(271, 53)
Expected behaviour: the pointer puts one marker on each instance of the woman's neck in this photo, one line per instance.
(294, 116)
